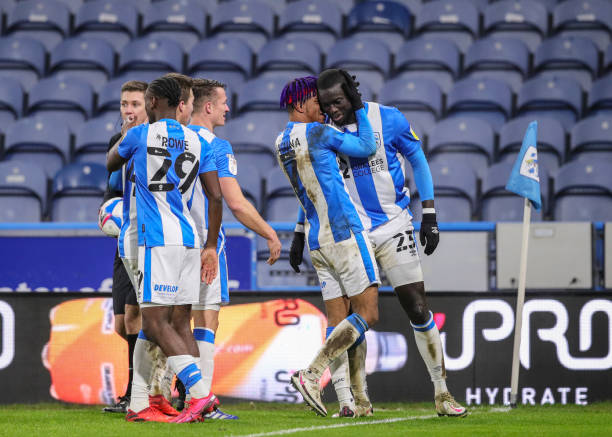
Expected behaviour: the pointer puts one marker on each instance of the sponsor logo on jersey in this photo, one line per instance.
(232, 164)
(165, 288)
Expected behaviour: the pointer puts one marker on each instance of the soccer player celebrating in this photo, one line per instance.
(167, 160)
(209, 110)
(339, 248)
(125, 304)
(376, 186)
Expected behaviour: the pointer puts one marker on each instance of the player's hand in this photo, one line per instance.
(429, 234)
(296, 253)
(351, 90)
(209, 264)
(128, 123)
(274, 245)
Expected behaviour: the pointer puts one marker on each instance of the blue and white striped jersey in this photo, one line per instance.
(376, 184)
(225, 162)
(128, 236)
(167, 158)
(307, 155)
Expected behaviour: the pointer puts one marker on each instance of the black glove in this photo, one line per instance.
(296, 252)
(429, 234)
(350, 88)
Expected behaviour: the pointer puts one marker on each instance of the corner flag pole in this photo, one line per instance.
(520, 300)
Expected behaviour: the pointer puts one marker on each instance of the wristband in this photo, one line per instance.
(429, 210)
(299, 227)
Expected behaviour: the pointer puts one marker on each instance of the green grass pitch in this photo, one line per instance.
(263, 419)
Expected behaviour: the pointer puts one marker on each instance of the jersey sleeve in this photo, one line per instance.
(360, 146)
(128, 144)
(227, 167)
(207, 157)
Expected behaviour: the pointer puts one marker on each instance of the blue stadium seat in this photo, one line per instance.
(72, 5)
(488, 99)
(567, 56)
(77, 192)
(369, 59)
(583, 192)
(588, 18)
(109, 97)
(88, 59)
(559, 98)
(592, 139)
(253, 21)
(300, 56)
(607, 61)
(498, 58)
(525, 20)
(258, 94)
(229, 56)
(317, 20)
(47, 21)
(250, 180)
(499, 205)
(11, 101)
(551, 141)
(39, 141)
(22, 59)
(455, 185)
(280, 275)
(91, 140)
(465, 139)
(600, 96)
(23, 192)
(115, 21)
(385, 20)
(159, 55)
(420, 100)
(180, 20)
(280, 203)
(438, 59)
(455, 20)
(72, 99)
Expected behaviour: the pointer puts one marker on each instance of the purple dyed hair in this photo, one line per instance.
(298, 91)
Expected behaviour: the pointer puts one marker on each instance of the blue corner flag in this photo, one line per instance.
(524, 179)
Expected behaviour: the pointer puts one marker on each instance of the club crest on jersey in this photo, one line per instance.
(529, 166)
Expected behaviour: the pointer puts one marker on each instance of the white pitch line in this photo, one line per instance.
(338, 425)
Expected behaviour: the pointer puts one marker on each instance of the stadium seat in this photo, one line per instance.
(11, 101)
(160, 56)
(115, 21)
(592, 139)
(463, 139)
(39, 141)
(249, 178)
(88, 59)
(180, 20)
(499, 205)
(582, 191)
(588, 18)
(92, 140)
(23, 59)
(23, 192)
(258, 94)
(551, 141)
(498, 58)
(281, 275)
(253, 21)
(300, 56)
(47, 21)
(600, 96)
(556, 97)
(420, 100)
(488, 99)
(438, 59)
(72, 99)
(319, 21)
(109, 97)
(455, 20)
(567, 56)
(77, 192)
(525, 20)
(385, 20)
(280, 203)
(72, 5)
(606, 67)
(455, 185)
(369, 59)
(229, 56)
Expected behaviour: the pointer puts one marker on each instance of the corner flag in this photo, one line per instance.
(524, 179)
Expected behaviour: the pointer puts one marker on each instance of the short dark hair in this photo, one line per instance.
(134, 85)
(166, 88)
(330, 78)
(185, 82)
(204, 91)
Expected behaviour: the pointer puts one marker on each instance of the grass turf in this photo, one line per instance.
(49, 420)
